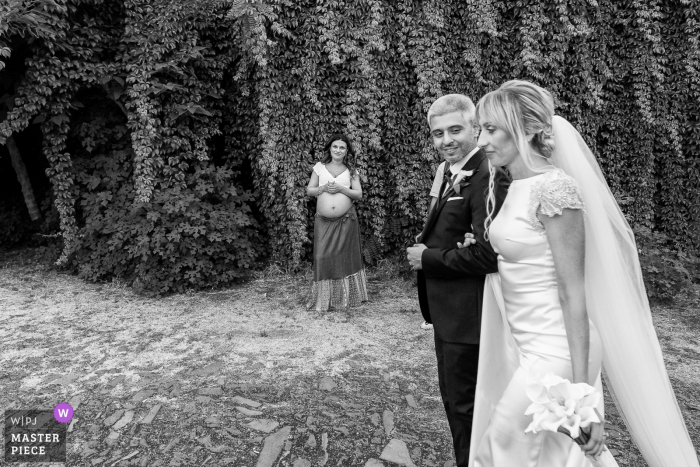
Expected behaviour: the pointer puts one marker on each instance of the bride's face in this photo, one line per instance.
(498, 145)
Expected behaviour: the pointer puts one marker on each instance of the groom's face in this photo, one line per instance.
(454, 135)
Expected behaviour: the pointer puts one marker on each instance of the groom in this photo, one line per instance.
(452, 282)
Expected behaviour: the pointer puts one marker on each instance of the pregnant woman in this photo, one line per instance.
(339, 277)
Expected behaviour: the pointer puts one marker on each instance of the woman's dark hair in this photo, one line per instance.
(350, 157)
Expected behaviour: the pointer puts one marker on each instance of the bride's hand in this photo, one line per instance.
(468, 240)
(596, 443)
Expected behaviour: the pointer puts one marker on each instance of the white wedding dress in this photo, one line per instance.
(536, 323)
(522, 327)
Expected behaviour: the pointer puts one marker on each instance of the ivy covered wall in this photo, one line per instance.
(625, 73)
(231, 102)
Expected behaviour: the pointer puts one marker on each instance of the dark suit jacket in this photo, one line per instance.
(452, 282)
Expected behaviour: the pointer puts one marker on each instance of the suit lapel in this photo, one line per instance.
(472, 164)
(432, 215)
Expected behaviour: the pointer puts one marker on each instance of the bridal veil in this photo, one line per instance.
(618, 306)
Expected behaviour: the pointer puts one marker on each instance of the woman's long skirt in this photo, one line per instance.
(339, 276)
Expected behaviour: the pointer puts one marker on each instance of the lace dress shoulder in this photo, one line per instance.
(552, 194)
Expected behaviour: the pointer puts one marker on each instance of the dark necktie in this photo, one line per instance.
(448, 179)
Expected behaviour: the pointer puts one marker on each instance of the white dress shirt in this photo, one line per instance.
(456, 167)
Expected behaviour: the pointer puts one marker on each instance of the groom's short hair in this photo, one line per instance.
(452, 103)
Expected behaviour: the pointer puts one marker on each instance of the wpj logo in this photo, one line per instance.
(35, 435)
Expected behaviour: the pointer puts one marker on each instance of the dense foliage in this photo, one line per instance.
(129, 99)
(170, 126)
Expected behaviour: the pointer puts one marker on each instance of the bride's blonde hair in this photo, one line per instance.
(521, 109)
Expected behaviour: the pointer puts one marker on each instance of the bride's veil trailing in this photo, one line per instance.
(618, 306)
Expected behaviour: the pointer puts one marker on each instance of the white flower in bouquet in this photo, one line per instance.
(560, 405)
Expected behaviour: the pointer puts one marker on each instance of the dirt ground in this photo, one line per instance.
(247, 377)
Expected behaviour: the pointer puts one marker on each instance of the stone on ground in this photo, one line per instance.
(124, 421)
(326, 384)
(273, 447)
(142, 395)
(215, 391)
(264, 425)
(209, 369)
(109, 421)
(151, 414)
(112, 438)
(115, 381)
(388, 420)
(374, 463)
(311, 442)
(75, 401)
(397, 452)
(416, 453)
(244, 401)
(301, 463)
(411, 401)
(248, 412)
(212, 422)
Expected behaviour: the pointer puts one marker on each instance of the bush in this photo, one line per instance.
(192, 237)
(271, 79)
(667, 272)
(15, 224)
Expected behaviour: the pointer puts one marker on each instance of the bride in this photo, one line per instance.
(568, 297)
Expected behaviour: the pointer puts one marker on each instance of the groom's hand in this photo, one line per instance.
(414, 254)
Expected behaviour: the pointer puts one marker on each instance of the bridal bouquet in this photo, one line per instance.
(560, 405)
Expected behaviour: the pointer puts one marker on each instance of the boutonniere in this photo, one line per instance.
(462, 179)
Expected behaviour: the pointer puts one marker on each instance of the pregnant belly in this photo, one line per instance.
(333, 204)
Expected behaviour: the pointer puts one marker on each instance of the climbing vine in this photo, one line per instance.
(182, 134)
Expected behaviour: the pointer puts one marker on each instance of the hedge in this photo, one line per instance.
(180, 135)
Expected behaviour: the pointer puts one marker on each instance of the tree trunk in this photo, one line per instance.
(23, 178)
